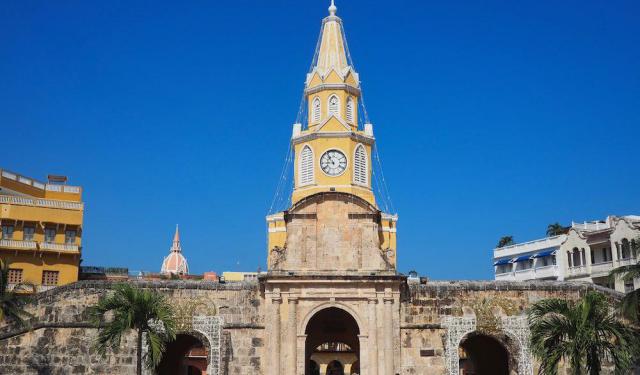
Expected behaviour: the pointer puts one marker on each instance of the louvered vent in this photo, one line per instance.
(334, 106)
(350, 111)
(316, 110)
(360, 166)
(305, 170)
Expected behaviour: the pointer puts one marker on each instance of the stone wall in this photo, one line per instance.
(334, 233)
(60, 340)
(436, 316)
(428, 324)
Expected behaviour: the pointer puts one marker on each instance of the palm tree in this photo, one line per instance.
(11, 300)
(144, 311)
(555, 229)
(505, 241)
(630, 304)
(582, 333)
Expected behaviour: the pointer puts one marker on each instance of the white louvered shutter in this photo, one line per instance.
(316, 110)
(350, 111)
(305, 170)
(360, 166)
(334, 106)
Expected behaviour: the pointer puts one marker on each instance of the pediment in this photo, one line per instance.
(333, 77)
(334, 124)
(314, 79)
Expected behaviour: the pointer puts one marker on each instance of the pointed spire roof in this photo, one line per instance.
(332, 50)
(175, 262)
(176, 240)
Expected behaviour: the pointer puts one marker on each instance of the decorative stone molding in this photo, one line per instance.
(456, 329)
(514, 326)
(209, 330)
(518, 328)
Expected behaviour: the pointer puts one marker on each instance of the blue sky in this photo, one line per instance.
(492, 118)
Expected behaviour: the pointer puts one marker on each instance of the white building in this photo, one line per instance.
(588, 252)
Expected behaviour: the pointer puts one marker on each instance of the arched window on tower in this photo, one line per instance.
(305, 167)
(334, 106)
(315, 108)
(350, 111)
(360, 167)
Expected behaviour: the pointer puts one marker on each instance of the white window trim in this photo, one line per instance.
(337, 114)
(316, 117)
(350, 104)
(366, 166)
(312, 166)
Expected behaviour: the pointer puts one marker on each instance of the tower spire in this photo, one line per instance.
(332, 9)
(331, 52)
(176, 240)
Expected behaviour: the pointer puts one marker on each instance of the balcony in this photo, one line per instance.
(544, 272)
(525, 274)
(42, 246)
(59, 247)
(529, 247)
(509, 276)
(48, 203)
(14, 244)
(578, 271)
(591, 226)
(602, 268)
(626, 262)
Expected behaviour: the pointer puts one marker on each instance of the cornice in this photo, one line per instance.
(315, 135)
(332, 86)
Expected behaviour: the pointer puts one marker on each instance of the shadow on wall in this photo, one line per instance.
(40, 360)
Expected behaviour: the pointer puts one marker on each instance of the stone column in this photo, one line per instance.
(301, 365)
(618, 284)
(614, 252)
(293, 337)
(365, 362)
(275, 336)
(373, 338)
(388, 336)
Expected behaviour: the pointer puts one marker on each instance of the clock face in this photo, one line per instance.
(333, 163)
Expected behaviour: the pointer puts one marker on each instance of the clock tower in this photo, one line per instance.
(334, 224)
(332, 152)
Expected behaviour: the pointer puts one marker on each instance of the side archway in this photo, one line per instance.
(512, 336)
(204, 332)
(482, 354)
(188, 354)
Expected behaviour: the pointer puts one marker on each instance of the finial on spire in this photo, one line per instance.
(176, 237)
(332, 9)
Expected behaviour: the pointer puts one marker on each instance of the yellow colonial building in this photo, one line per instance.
(41, 229)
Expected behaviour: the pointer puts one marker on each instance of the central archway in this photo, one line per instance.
(483, 355)
(332, 343)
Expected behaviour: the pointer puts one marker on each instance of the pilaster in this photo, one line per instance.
(373, 337)
(275, 336)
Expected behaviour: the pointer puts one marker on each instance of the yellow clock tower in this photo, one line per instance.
(332, 153)
(334, 223)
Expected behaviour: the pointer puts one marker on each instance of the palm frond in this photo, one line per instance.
(131, 308)
(13, 301)
(582, 334)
